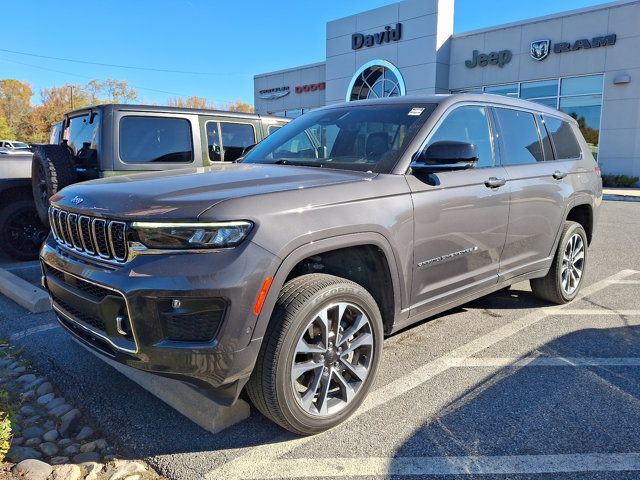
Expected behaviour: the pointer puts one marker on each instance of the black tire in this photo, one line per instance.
(52, 169)
(270, 387)
(21, 231)
(550, 287)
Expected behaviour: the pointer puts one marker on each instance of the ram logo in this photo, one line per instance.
(540, 49)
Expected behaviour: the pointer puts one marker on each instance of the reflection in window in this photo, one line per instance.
(155, 139)
(581, 85)
(545, 88)
(376, 80)
(235, 138)
(508, 90)
(519, 137)
(586, 109)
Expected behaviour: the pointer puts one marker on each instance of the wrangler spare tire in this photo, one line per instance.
(52, 169)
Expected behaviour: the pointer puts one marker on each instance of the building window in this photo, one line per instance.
(579, 97)
(376, 79)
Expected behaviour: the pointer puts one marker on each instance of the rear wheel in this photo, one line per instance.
(563, 282)
(320, 354)
(52, 169)
(21, 231)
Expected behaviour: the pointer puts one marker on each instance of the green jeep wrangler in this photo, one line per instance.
(106, 140)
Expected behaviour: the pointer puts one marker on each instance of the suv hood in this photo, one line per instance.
(185, 194)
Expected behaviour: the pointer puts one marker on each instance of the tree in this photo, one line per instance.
(190, 102)
(240, 106)
(15, 103)
(5, 131)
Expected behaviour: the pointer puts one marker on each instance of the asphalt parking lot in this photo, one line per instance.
(504, 387)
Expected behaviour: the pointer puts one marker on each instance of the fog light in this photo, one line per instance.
(175, 303)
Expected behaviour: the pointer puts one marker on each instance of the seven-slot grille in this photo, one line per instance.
(93, 236)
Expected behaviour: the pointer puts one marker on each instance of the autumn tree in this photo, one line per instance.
(190, 102)
(15, 103)
(5, 131)
(240, 106)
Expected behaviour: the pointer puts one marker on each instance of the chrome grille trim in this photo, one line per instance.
(81, 233)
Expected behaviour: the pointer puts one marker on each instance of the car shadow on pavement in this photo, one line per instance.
(540, 410)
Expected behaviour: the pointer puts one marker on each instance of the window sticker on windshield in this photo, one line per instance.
(416, 111)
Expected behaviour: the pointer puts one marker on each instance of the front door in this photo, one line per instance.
(460, 217)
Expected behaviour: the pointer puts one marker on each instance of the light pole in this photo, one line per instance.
(71, 90)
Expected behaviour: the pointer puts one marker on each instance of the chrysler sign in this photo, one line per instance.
(273, 93)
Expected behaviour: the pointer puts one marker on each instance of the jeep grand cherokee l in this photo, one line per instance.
(282, 273)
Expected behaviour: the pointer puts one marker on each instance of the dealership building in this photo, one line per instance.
(584, 62)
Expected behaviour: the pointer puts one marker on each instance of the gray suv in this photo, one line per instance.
(283, 272)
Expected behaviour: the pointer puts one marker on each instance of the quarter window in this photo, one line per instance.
(563, 138)
(155, 140)
(519, 137)
(213, 142)
(467, 124)
(235, 138)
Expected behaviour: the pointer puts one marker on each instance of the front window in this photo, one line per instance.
(83, 135)
(365, 138)
(155, 140)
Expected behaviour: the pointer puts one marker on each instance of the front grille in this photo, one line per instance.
(96, 237)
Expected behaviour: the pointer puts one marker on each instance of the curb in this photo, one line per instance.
(24, 293)
(620, 198)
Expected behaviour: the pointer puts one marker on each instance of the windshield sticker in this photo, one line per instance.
(416, 111)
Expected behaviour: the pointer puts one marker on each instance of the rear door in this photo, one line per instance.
(460, 217)
(539, 191)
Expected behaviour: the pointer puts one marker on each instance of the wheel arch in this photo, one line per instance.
(328, 245)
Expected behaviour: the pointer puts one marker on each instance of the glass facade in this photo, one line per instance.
(579, 97)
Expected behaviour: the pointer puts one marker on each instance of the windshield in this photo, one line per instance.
(363, 137)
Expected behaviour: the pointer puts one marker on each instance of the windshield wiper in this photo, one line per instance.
(284, 161)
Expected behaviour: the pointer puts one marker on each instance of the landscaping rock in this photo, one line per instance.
(17, 441)
(88, 447)
(65, 442)
(66, 472)
(32, 432)
(18, 454)
(27, 378)
(32, 442)
(59, 460)
(33, 385)
(60, 410)
(49, 448)
(46, 398)
(125, 469)
(44, 389)
(28, 410)
(69, 420)
(50, 436)
(32, 420)
(84, 433)
(93, 469)
(101, 443)
(19, 369)
(33, 469)
(71, 449)
(86, 457)
(56, 402)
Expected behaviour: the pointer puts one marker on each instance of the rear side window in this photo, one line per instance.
(519, 137)
(273, 128)
(235, 138)
(155, 140)
(467, 124)
(564, 140)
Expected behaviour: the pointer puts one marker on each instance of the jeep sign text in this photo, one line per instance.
(500, 58)
(359, 40)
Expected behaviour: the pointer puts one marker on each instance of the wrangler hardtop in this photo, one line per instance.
(114, 139)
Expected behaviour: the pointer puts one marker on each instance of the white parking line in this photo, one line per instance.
(266, 455)
(479, 465)
(542, 362)
(622, 313)
(31, 331)
(627, 282)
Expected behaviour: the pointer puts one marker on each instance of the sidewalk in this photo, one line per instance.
(623, 194)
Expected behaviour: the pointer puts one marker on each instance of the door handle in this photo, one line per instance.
(558, 175)
(493, 182)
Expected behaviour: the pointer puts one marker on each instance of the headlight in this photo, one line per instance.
(191, 235)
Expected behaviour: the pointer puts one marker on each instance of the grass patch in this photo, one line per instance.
(619, 181)
(5, 423)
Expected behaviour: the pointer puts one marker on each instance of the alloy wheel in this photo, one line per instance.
(332, 360)
(572, 264)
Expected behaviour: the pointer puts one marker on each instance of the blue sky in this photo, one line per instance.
(226, 41)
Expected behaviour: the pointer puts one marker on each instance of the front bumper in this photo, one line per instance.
(187, 316)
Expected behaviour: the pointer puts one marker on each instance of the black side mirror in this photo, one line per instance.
(446, 156)
(247, 149)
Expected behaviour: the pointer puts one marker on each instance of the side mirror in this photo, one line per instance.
(446, 156)
(246, 149)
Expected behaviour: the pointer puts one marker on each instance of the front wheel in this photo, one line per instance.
(563, 282)
(320, 354)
